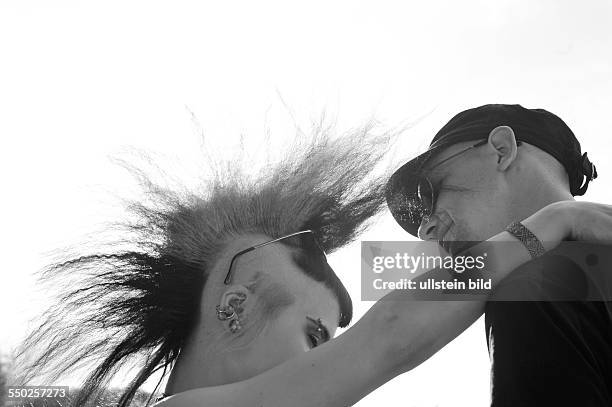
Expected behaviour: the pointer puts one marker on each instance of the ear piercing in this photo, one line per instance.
(235, 326)
(225, 312)
(228, 312)
(231, 311)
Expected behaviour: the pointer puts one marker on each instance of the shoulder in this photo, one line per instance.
(574, 271)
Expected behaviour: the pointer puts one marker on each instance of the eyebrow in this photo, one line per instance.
(320, 324)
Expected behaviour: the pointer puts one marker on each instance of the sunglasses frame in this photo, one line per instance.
(428, 211)
(227, 279)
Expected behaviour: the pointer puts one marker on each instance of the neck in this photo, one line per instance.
(212, 365)
(537, 195)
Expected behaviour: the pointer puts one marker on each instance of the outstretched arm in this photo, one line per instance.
(396, 334)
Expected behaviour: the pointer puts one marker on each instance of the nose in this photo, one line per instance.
(428, 230)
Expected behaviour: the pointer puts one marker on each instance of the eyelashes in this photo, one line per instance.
(317, 333)
(314, 340)
(453, 188)
(443, 187)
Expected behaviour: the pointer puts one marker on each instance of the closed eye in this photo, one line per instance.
(449, 187)
(314, 340)
(440, 183)
(445, 187)
(317, 333)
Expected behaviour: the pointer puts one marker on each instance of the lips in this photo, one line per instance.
(449, 245)
(443, 232)
(454, 247)
(445, 245)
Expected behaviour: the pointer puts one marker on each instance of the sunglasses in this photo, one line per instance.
(304, 239)
(426, 193)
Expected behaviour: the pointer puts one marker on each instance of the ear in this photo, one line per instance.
(503, 142)
(235, 296)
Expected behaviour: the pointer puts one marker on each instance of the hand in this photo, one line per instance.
(586, 221)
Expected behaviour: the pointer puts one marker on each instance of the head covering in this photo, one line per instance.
(537, 127)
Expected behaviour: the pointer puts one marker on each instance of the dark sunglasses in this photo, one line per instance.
(304, 239)
(426, 192)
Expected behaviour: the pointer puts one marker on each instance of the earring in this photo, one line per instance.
(235, 326)
(231, 312)
(227, 312)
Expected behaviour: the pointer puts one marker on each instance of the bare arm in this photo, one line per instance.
(396, 334)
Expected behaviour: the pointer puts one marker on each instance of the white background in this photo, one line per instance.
(80, 81)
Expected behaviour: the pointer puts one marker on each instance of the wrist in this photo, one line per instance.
(531, 242)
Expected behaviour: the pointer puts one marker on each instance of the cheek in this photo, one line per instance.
(283, 339)
(481, 221)
(468, 215)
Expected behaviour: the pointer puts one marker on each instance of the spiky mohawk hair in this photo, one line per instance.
(137, 301)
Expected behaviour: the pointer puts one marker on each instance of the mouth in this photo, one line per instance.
(455, 247)
(447, 245)
(452, 246)
(447, 241)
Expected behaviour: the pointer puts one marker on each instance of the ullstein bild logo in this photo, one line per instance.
(573, 272)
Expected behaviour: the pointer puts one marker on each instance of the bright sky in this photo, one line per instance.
(80, 81)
